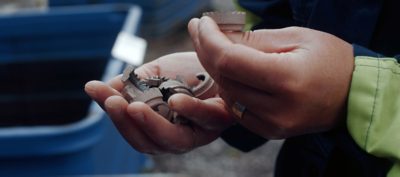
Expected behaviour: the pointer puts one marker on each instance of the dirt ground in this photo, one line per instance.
(219, 159)
(216, 159)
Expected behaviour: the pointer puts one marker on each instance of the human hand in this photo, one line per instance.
(292, 81)
(147, 131)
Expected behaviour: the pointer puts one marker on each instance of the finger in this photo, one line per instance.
(193, 31)
(269, 40)
(262, 125)
(203, 37)
(192, 28)
(242, 63)
(258, 101)
(194, 34)
(99, 91)
(116, 83)
(176, 138)
(116, 109)
(209, 114)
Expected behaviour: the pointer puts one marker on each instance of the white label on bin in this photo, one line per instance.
(129, 48)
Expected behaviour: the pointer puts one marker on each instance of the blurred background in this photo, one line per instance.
(48, 126)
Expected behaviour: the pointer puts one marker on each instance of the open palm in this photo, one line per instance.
(147, 131)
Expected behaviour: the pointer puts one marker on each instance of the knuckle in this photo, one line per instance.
(197, 103)
(189, 109)
(224, 56)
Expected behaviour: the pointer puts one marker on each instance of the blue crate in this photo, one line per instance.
(43, 109)
(90, 146)
(115, 156)
(64, 32)
(90, 142)
(46, 55)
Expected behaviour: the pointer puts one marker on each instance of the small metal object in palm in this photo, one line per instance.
(228, 21)
(156, 90)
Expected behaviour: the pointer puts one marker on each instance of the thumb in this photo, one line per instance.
(222, 58)
(268, 40)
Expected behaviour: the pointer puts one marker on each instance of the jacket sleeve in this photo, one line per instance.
(373, 112)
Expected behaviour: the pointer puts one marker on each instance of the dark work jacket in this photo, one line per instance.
(372, 26)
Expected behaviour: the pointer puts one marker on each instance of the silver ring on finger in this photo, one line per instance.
(238, 110)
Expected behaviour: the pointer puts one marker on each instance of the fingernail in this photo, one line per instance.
(113, 106)
(90, 89)
(171, 102)
(175, 102)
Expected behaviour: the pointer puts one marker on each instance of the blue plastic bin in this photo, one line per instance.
(47, 56)
(89, 144)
